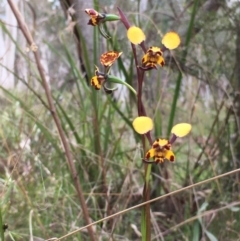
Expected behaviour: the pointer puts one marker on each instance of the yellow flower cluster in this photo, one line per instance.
(154, 55)
(161, 148)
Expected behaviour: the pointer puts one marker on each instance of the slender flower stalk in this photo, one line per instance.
(116, 80)
(145, 223)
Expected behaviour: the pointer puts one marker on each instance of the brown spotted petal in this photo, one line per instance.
(159, 157)
(108, 58)
(97, 81)
(95, 21)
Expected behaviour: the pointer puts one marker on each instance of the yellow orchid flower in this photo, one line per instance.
(160, 151)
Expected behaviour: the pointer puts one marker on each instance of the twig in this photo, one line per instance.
(52, 108)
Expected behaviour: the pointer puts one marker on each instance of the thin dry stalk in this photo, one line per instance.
(52, 108)
(200, 215)
(151, 201)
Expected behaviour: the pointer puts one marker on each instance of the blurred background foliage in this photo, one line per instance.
(38, 198)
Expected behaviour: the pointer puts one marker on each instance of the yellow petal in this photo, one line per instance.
(169, 155)
(181, 129)
(162, 142)
(150, 153)
(171, 40)
(161, 61)
(142, 124)
(145, 59)
(155, 50)
(135, 35)
(95, 83)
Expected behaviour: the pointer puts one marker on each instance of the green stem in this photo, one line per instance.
(146, 218)
(1, 227)
(114, 79)
(179, 79)
(148, 172)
